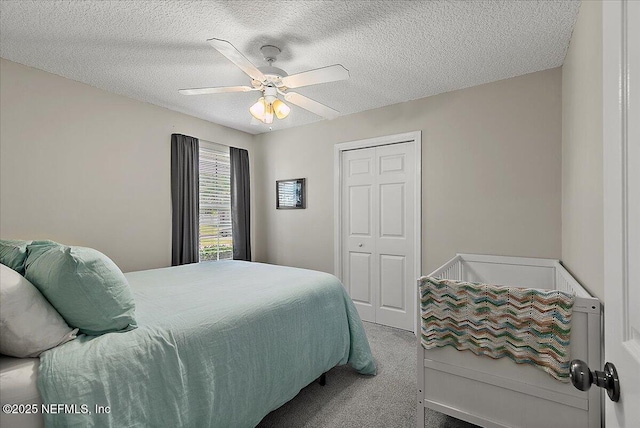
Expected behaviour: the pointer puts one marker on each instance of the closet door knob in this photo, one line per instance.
(360, 244)
(582, 378)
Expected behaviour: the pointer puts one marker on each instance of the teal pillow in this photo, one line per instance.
(13, 254)
(84, 285)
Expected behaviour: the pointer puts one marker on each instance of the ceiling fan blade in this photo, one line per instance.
(234, 55)
(218, 90)
(331, 73)
(311, 105)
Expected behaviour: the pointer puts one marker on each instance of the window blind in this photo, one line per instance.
(215, 204)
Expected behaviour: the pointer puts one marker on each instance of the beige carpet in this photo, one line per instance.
(350, 400)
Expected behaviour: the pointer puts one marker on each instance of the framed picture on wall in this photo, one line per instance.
(290, 194)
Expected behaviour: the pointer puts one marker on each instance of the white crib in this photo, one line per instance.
(501, 393)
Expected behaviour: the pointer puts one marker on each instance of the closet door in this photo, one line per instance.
(378, 232)
(395, 237)
(358, 225)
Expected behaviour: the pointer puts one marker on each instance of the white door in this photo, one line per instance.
(358, 227)
(378, 211)
(621, 150)
(395, 237)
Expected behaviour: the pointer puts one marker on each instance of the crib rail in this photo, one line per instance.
(566, 282)
(454, 269)
(450, 270)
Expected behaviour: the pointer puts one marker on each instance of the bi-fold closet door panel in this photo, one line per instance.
(358, 226)
(378, 232)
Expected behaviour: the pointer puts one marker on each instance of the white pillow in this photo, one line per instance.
(29, 325)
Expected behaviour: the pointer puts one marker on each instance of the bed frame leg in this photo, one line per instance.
(323, 379)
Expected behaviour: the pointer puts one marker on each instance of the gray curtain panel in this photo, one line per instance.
(240, 207)
(185, 200)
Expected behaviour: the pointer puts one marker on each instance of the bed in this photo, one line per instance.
(218, 344)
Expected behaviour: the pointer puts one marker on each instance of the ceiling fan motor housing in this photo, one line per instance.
(272, 74)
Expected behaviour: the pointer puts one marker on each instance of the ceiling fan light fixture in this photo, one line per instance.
(258, 109)
(264, 111)
(268, 114)
(281, 109)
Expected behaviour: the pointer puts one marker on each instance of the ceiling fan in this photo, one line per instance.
(274, 82)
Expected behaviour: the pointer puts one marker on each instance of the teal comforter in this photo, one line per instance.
(219, 344)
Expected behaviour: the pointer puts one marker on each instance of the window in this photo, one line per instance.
(215, 203)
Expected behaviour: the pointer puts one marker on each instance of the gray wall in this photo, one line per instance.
(582, 180)
(87, 167)
(491, 161)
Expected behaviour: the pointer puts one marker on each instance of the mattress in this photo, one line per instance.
(218, 344)
(18, 386)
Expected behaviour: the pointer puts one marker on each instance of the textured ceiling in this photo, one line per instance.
(395, 50)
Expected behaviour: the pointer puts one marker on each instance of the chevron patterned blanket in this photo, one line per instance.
(528, 325)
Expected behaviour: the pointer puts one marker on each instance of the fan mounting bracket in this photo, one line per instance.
(270, 53)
